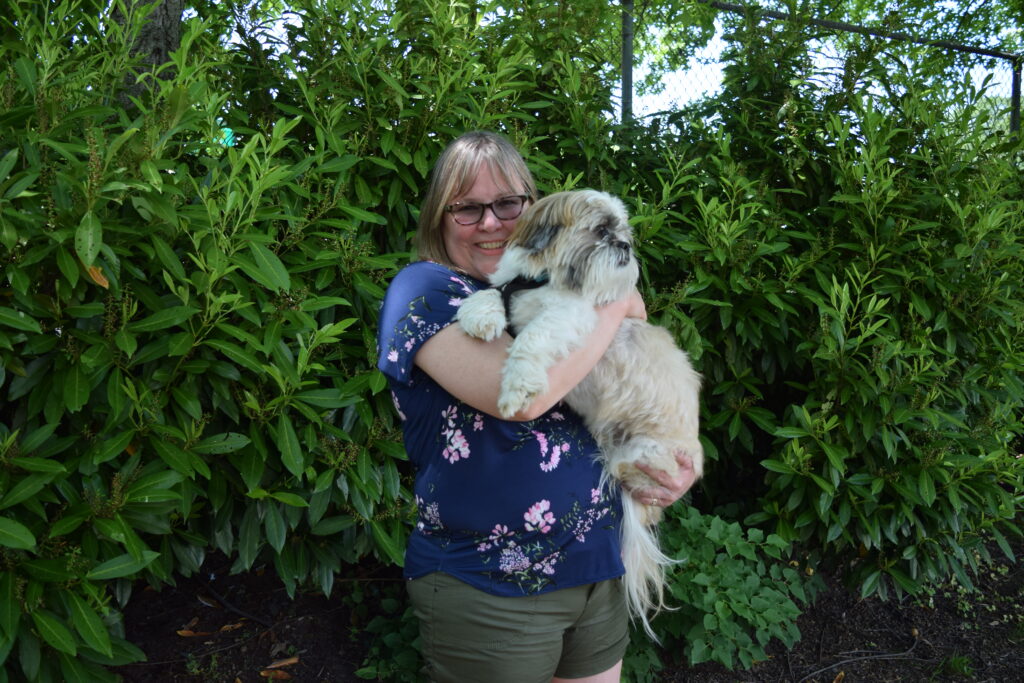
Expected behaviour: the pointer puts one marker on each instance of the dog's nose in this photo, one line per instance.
(619, 244)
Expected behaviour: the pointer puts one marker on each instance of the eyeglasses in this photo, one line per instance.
(504, 209)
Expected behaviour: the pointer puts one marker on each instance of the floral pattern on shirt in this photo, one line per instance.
(511, 508)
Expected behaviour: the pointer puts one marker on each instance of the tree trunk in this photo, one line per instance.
(159, 35)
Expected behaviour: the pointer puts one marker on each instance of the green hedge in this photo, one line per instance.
(187, 328)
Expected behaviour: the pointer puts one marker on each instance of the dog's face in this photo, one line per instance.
(581, 240)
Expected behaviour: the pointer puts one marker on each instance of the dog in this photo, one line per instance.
(570, 252)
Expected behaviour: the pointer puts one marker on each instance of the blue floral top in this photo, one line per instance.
(508, 507)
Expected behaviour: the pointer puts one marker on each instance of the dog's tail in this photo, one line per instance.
(645, 563)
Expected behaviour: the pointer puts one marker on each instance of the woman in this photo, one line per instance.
(515, 560)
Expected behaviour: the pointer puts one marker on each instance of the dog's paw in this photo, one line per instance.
(482, 314)
(522, 382)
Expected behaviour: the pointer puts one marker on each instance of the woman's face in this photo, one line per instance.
(476, 248)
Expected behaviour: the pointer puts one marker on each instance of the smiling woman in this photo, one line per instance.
(517, 538)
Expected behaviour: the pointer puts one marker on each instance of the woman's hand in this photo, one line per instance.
(635, 306)
(669, 489)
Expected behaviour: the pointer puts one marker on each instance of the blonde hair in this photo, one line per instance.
(455, 172)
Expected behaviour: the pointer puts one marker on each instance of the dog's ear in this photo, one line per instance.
(539, 235)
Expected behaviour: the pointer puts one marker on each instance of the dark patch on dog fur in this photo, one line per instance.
(541, 238)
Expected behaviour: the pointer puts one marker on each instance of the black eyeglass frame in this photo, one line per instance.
(453, 208)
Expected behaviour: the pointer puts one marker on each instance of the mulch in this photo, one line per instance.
(217, 627)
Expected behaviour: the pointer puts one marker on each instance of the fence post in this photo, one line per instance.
(1015, 96)
(627, 61)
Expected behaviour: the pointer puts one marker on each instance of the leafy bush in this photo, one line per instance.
(186, 342)
(853, 276)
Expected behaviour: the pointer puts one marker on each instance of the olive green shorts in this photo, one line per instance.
(468, 635)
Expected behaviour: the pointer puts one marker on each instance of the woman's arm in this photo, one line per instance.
(470, 369)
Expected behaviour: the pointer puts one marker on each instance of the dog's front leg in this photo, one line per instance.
(557, 324)
(482, 314)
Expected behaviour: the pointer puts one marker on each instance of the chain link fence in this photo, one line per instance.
(990, 78)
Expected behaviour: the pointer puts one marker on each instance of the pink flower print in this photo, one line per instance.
(429, 515)
(557, 416)
(556, 457)
(499, 532)
(542, 441)
(457, 448)
(539, 517)
(462, 284)
(546, 565)
(513, 559)
(454, 303)
(408, 345)
(478, 422)
(586, 523)
(595, 496)
(393, 356)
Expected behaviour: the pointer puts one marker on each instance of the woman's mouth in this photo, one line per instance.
(491, 245)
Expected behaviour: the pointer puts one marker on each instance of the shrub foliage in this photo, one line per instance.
(187, 325)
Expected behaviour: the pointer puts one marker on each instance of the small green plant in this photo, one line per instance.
(954, 665)
(200, 665)
(393, 652)
(733, 591)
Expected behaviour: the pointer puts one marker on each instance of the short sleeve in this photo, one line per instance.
(421, 301)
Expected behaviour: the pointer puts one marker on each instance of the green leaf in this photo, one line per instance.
(54, 632)
(89, 625)
(288, 443)
(236, 354)
(68, 266)
(18, 320)
(42, 465)
(173, 455)
(76, 388)
(122, 565)
(24, 489)
(111, 448)
(777, 466)
(327, 398)
(168, 317)
(266, 268)
(48, 570)
(926, 487)
(7, 163)
(15, 535)
(168, 258)
(10, 608)
(277, 530)
(227, 442)
(292, 499)
(88, 238)
(391, 545)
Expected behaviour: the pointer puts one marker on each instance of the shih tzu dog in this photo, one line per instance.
(570, 252)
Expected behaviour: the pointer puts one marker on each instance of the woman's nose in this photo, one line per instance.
(489, 221)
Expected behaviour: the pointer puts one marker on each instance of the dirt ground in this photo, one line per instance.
(220, 628)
